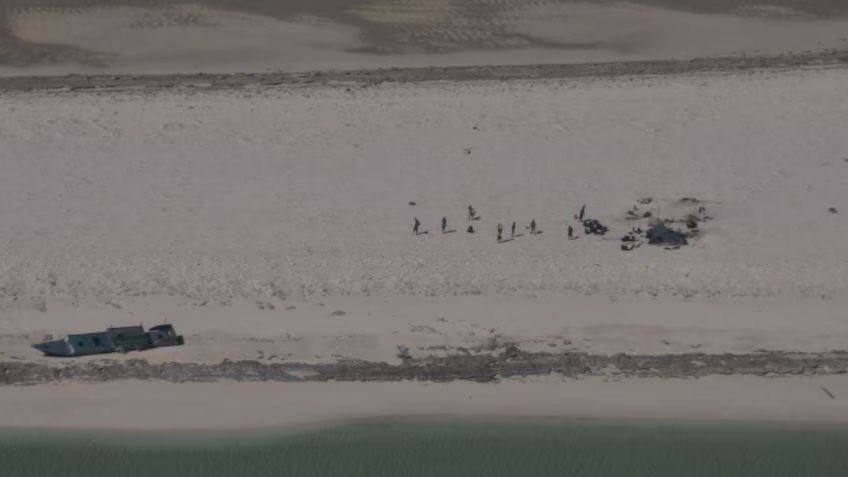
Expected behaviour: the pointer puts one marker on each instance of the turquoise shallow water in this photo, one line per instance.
(442, 447)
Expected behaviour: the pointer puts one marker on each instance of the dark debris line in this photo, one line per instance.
(419, 74)
(512, 362)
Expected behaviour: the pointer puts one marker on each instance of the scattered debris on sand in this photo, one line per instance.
(594, 227)
(827, 391)
(630, 247)
(512, 361)
(403, 353)
(636, 214)
(371, 77)
(660, 234)
(691, 221)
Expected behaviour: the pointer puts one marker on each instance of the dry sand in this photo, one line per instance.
(372, 328)
(248, 218)
(300, 192)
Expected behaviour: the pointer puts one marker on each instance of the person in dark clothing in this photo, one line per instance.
(582, 213)
(471, 213)
(444, 225)
(416, 226)
(570, 232)
(512, 232)
(533, 227)
(470, 229)
(500, 233)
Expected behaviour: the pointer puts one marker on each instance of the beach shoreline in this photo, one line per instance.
(271, 225)
(243, 406)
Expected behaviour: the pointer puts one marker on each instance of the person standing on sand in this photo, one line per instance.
(582, 213)
(512, 232)
(416, 226)
(533, 227)
(471, 213)
(444, 225)
(500, 233)
(570, 232)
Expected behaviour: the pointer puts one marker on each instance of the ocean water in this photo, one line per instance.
(442, 447)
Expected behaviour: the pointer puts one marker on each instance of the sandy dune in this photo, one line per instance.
(64, 36)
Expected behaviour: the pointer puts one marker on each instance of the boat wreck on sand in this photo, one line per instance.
(116, 339)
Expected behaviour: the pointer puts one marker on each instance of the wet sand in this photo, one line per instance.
(218, 406)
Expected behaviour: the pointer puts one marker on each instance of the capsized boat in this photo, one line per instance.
(115, 339)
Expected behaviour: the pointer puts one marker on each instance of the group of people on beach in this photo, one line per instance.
(472, 216)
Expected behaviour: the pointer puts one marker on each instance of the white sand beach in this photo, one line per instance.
(304, 191)
(255, 215)
(275, 224)
(326, 329)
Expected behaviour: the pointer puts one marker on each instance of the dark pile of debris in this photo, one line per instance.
(594, 227)
(659, 234)
(691, 221)
(634, 214)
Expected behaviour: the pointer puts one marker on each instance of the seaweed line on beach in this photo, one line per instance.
(830, 58)
(511, 363)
